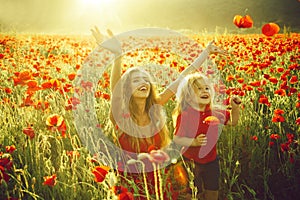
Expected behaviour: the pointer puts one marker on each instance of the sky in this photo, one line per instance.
(78, 16)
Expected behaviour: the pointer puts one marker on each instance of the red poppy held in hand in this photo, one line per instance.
(243, 21)
(211, 120)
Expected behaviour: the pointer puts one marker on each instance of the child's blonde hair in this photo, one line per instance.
(185, 89)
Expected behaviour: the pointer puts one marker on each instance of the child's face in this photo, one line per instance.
(201, 96)
(140, 84)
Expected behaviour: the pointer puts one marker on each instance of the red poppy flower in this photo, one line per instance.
(211, 120)
(27, 101)
(292, 91)
(152, 147)
(106, 96)
(158, 156)
(6, 163)
(43, 105)
(22, 77)
(54, 120)
(285, 147)
(3, 174)
(274, 136)
(122, 193)
(266, 76)
(294, 79)
(55, 83)
(50, 180)
(71, 76)
(72, 103)
(255, 83)
(32, 84)
(280, 92)
(57, 122)
(278, 118)
(298, 121)
(243, 21)
(280, 69)
(126, 196)
(10, 149)
(240, 80)
(100, 173)
(290, 137)
(29, 132)
(270, 29)
(86, 85)
(264, 100)
(230, 78)
(8, 90)
(273, 80)
(255, 138)
(278, 111)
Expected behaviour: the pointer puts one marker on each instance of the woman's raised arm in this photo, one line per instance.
(113, 45)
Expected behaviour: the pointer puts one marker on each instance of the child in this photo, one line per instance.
(196, 130)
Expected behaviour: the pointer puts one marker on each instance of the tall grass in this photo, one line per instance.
(254, 164)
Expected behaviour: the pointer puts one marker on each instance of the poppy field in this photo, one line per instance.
(42, 156)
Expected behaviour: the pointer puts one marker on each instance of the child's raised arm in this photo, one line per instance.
(172, 88)
(235, 111)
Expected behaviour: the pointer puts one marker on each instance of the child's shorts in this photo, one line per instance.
(206, 175)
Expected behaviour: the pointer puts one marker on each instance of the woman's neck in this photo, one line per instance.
(140, 106)
(142, 116)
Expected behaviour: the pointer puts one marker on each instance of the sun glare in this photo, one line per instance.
(96, 2)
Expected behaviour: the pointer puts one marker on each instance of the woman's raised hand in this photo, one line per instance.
(97, 35)
(112, 44)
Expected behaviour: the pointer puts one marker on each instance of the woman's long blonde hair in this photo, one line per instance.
(129, 110)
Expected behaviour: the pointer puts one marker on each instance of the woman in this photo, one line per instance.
(136, 111)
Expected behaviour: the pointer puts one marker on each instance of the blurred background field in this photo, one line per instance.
(78, 16)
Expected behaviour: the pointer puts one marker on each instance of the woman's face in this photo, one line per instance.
(140, 84)
(201, 94)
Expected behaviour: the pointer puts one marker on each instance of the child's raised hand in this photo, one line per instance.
(212, 49)
(235, 101)
(200, 140)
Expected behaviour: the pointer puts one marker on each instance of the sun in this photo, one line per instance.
(96, 2)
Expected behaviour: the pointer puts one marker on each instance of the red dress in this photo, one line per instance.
(131, 172)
